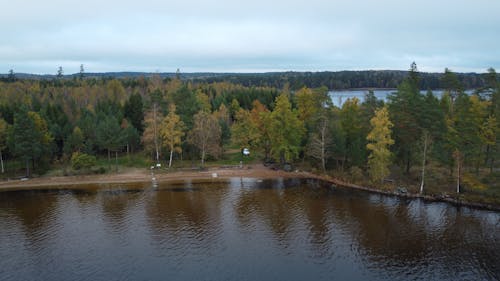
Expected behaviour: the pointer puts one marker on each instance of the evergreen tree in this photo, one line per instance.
(23, 136)
(353, 132)
(405, 110)
(133, 111)
(110, 136)
(30, 139)
(75, 141)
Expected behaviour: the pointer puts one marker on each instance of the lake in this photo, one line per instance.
(340, 96)
(241, 229)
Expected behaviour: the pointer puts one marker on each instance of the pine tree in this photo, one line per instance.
(379, 141)
(30, 138)
(110, 136)
(134, 112)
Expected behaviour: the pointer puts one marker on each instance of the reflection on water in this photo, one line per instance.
(242, 229)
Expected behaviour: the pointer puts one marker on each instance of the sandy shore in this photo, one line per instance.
(143, 175)
(258, 171)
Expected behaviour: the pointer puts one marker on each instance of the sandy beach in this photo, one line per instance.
(144, 175)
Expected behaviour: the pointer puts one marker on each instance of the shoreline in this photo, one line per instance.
(216, 173)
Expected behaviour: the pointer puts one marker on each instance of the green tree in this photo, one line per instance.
(30, 139)
(82, 161)
(379, 141)
(353, 133)
(451, 84)
(12, 76)
(110, 136)
(405, 111)
(60, 72)
(286, 130)
(172, 131)
(4, 129)
(132, 137)
(260, 118)
(75, 141)
(133, 111)
(244, 132)
(81, 74)
(187, 105)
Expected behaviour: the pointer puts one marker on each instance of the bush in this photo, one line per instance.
(101, 170)
(356, 174)
(82, 161)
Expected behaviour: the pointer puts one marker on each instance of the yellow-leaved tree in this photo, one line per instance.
(379, 140)
(172, 131)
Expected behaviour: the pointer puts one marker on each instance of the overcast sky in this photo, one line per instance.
(37, 36)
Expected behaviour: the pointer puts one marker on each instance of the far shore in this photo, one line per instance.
(258, 171)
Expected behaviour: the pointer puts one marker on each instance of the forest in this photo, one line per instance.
(449, 143)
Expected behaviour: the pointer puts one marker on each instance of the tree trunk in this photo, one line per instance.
(323, 146)
(203, 157)
(458, 172)
(408, 162)
(109, 159)
(487, 155)
(27, 168)
(116, 160)
(170, 161)
(1, 161)
(423, 164)
(155, 134)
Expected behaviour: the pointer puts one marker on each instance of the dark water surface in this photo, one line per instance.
(242, 229)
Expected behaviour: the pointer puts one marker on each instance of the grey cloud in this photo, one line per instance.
(254, 35)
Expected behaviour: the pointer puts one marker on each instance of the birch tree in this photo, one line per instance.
(320, 142)
(150, 136)
(171, 132)
(205, 135)
(426, 142)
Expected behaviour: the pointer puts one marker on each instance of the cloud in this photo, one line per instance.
(247, 35)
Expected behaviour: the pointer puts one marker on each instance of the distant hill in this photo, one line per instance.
(295, 80)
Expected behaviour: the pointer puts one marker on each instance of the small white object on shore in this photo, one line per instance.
(214, 175)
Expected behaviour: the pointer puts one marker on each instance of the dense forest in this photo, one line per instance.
(294, 80)
(451, 141)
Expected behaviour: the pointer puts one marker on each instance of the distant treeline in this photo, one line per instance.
(293, 80)
(345, 79)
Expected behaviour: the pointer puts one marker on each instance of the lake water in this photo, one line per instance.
(241, 229)
(340, 96)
